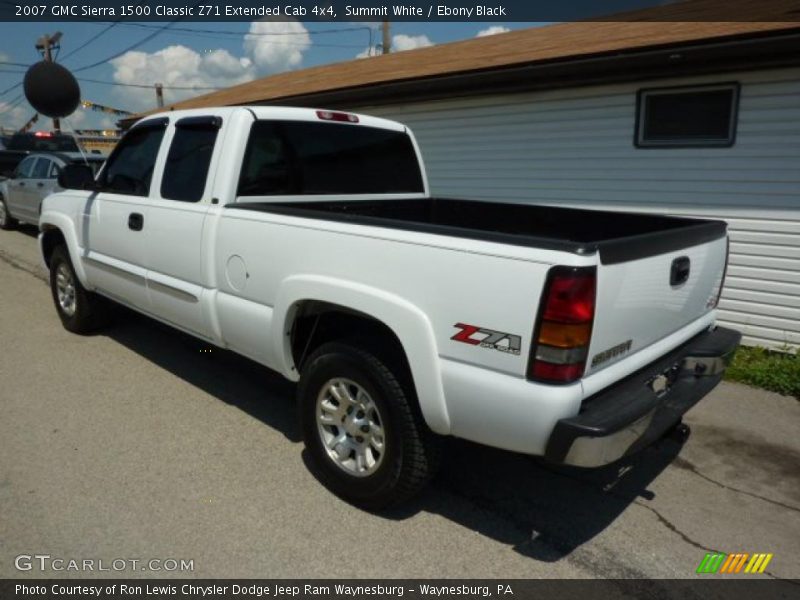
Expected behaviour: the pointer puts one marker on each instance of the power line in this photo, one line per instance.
(148, 86)
(276, 42)
(103, 32)
(116, 83)
(133, 46)
(13, 64)
(214, 34)
(13, 87)
(13, 103)
(121, 52)
(282, 42)
(209, 34)
(255, 33)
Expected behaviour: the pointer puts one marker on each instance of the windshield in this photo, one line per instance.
(52, 143)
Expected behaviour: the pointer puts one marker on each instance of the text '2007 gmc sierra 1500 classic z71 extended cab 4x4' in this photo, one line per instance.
(307, 241)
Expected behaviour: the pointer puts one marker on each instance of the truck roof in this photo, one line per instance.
(284, 113)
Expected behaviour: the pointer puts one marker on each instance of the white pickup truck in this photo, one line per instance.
(307, 241)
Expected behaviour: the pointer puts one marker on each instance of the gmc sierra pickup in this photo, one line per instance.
(307, 241)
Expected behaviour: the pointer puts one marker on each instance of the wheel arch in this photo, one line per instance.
(365, 312)
(56, 230)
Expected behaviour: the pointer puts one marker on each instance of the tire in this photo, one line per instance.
(398, 457)
(80, 311)
(6, 220)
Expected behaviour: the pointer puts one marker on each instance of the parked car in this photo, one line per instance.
(34, 178)
(21, 145)
(308, 241)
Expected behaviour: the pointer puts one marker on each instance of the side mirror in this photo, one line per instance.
(77, 177)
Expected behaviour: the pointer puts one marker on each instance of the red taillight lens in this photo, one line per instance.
(552, 372)
(564, 329)
(571, 299)
(329, 115)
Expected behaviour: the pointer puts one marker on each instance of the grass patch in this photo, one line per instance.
(767, 369)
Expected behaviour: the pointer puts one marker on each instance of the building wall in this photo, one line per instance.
(575, 147)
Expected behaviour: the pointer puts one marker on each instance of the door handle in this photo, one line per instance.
(21, 184)
(679, 272)
(135, 221)
(40, 184)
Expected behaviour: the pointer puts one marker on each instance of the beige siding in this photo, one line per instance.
(575, 147)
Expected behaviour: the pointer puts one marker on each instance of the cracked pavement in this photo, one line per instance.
(134, 443)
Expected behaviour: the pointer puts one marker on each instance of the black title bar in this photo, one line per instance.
(410, 10)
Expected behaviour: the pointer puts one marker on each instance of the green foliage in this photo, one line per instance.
(768, 369)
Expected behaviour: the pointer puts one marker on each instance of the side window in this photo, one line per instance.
(54, 171)
(186, 170)
(130, 167)
(41, 169)
(24, 169)
(691, 116)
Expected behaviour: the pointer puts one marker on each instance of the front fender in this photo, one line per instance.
(55, 220)
(407, 321)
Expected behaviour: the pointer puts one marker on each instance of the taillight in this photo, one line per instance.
(562, 335)
(329, 115)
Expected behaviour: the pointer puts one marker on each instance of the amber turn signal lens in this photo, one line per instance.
(565, 335)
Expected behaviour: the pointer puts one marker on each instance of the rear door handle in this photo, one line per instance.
(40, 184)
(135, 221)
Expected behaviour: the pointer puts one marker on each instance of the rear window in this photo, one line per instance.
(299, 157)
(51, 143)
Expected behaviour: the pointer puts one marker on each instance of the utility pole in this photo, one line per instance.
(46, 44)
(387, 39)
(159, 95)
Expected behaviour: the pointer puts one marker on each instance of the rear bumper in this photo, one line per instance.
(639, 409)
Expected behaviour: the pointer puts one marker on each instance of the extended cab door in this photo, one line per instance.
(176, 220)
(115, 218)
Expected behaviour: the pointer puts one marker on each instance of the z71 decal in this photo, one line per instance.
(488, 338)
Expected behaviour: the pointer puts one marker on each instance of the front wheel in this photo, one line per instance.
(6, 220)
(80, 311)
(362, 428)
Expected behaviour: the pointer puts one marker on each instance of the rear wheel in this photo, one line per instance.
(6, 220)
(80, 311)
(362, 428)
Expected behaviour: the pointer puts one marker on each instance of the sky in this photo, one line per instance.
(193, 56)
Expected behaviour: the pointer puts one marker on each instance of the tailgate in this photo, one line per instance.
(643, 300)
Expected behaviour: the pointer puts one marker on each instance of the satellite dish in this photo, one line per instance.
(51, 89)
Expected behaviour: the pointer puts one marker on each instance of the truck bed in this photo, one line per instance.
(616, 236)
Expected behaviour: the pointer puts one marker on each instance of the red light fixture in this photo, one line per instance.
(329, 115)
(564, 329)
